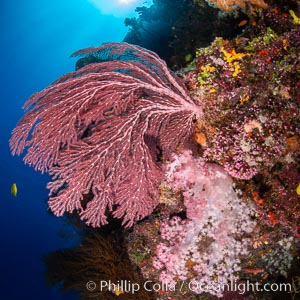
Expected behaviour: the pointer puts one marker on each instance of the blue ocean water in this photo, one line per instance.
(37, 38)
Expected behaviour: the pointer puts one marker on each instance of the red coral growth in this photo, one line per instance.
(96, 130)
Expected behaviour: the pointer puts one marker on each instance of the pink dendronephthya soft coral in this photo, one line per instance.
(206, 247)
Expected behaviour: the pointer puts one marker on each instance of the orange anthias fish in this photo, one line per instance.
(242, 23)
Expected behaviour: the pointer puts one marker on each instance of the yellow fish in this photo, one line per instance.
(298, 189)
(14, 189)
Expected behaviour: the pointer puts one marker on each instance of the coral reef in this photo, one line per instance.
(174, 28)
(249, 89)
(250, 94)
(206, 166)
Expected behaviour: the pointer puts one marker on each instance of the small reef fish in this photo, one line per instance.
(14, 189)
(242, 23)
(298, 189)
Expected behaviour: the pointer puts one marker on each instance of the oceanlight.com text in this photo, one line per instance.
(126, 286)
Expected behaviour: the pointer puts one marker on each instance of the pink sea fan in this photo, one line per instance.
(96, 130)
